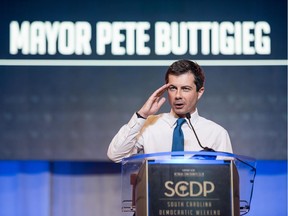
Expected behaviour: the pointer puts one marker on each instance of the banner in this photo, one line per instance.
(71, 73)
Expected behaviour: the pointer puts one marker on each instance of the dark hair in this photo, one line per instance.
(186, 66)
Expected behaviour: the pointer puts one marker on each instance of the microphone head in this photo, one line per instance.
(188, 115)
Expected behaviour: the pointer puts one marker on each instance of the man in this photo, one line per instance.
(154, 133)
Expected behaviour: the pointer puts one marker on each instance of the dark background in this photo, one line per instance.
(65, 112)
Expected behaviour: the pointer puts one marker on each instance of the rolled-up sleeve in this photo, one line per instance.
(124, 142)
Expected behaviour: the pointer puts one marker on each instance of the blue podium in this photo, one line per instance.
(187, 183)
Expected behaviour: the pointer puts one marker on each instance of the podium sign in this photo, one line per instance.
(203, 188)
(187, 183)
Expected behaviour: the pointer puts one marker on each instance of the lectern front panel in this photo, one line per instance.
(202, 188)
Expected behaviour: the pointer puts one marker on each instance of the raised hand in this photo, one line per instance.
(154, 102)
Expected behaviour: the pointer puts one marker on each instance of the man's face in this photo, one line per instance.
(182, 94)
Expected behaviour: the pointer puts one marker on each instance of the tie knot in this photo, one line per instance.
(180, 121)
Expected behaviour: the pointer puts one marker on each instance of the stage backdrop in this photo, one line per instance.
(72, 73)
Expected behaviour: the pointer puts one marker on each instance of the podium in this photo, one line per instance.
(187, 183)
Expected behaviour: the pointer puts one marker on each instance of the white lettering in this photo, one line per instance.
(215, 49)
(238, 38)
(132, 38)
(262, 42)
(40, 38)
(117, 38)
(193, 28)
(191, 188)
(52, 36)
(83, 38)
(162, 38)
(205, 36)
(142, 38)
(123, 37)
(104, 37)
(167, 186)
(19, 37)
(179, 38)
(226, 38)
(248, 38)
(66, 38)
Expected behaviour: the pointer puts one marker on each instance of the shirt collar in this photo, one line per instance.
(172, 118)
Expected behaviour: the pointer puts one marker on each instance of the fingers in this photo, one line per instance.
(160, 91)
(161, 102)
(154, 102)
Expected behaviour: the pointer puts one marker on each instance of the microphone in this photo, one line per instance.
(188, 116)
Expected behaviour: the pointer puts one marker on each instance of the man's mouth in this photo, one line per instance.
(179, 105)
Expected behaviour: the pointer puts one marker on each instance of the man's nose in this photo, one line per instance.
(178, 93)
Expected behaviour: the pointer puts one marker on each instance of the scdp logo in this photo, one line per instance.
(189, 188)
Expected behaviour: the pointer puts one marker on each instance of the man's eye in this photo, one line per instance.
(186, 89)
(172, 88)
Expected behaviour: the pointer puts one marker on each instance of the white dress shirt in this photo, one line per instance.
(155, 133)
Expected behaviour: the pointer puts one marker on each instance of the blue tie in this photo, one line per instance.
(178, 137)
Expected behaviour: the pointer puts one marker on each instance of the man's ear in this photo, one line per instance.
(201, 92)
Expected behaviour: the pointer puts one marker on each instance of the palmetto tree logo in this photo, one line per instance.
(182, 189)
